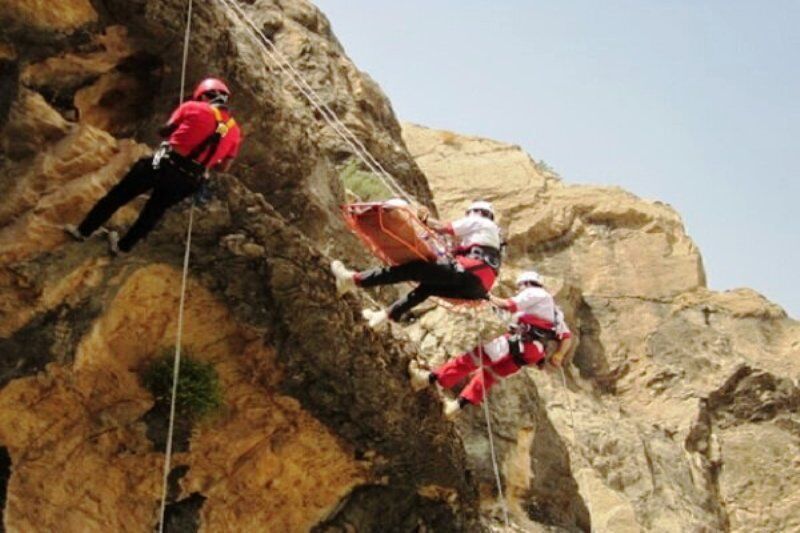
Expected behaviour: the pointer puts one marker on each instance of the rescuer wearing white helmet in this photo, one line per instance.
(468, 275)
(530, 278)
(537, 320)
(481, 207)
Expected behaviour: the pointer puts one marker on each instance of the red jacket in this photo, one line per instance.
(194, 122)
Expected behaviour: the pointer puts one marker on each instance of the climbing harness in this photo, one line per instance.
(192, 165)
(179, 335)
(489, 255)
(531, 333)
(210, 144)
(516, 349)
(489, 427)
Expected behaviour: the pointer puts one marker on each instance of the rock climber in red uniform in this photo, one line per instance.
(201, 135)
(468, 275)
(537, 320)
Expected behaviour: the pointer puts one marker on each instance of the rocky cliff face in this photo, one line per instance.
(317, 413)
(685, 401)
(679, 394)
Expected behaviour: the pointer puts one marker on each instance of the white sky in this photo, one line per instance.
(696, 103)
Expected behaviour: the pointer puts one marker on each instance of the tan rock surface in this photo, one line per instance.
(314, 429)
(98, 458)
(7, 51)
(43, 15)
(320, 428)
(672, 382)
(103, 55)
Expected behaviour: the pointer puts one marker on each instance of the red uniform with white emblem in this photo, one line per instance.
(532, 306)
(467, 278)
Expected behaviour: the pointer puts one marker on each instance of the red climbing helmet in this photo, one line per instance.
(210, 85)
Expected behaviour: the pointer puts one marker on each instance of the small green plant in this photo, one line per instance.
(366, 185)
(199, 392)
(543, 167)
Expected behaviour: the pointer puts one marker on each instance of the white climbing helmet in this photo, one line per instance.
(481, 207)
(530, 276)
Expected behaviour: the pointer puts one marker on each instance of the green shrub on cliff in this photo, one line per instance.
(199, 391)
(366, 185)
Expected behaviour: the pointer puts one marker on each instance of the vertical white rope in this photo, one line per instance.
(575, 437)
(569, 401)
(186, 49)
(176, 370)
(493, 454)
(176, 367)
(328, 115)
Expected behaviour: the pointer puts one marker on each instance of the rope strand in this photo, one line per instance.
(185, 59)
(176, 367)
(495, 467)
(330, 113)
(575, 437)
(330, 117)
(569, 400)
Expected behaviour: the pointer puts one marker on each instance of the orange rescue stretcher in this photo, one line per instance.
(394, 234)
(392, 231)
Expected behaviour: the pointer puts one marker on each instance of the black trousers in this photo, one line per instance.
(448, 280)
(169, 186)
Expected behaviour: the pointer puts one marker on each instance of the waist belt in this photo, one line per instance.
(184, 165)
(488, 254)
(515, 350)
(516, 341)
(530, 333)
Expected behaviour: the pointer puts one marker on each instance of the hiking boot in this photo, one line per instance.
(113, 243)
(375, 319)
(73, 231)
(345, 278)
(420, 378)
(452, 408)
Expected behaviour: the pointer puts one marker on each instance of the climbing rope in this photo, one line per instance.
(313, 97)
(329, 116)
(492, 452)
(569, 400)
(176, 367)
(574, 436)
(302, 85)
(185, 58)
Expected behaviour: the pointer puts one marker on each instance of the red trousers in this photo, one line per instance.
(497, 364)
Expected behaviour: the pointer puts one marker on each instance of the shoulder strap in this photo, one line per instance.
(211, 143)
(223, 126)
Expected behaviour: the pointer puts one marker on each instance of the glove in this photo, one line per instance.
(557, 359)
(203, 194)
(423, 213)
(160, 154)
